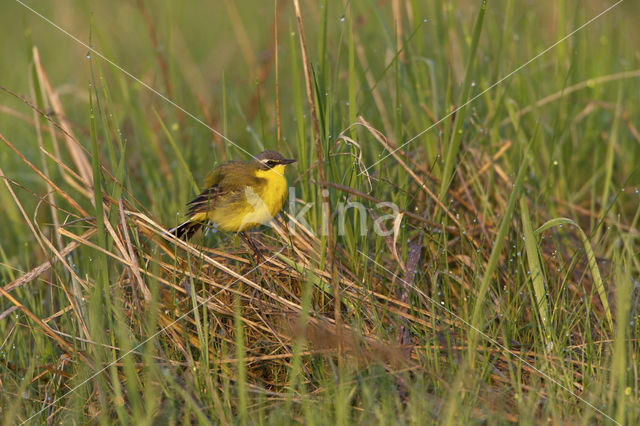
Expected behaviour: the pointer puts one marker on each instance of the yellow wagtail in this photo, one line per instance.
(239, 195)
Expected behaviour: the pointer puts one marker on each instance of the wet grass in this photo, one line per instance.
(502, 287)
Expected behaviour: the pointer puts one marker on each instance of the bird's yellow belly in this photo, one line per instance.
(257, 207)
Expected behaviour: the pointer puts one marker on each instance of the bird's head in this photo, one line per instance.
(273, 161)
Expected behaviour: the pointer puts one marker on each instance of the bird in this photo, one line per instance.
(238, 195)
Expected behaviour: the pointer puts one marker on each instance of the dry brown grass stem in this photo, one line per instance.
(430, 223)
(383, 141)
(44, 327)
(80, 160)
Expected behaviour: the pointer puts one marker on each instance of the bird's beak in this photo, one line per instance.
(287, 161)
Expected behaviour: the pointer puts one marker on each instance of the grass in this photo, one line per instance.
(506, 286)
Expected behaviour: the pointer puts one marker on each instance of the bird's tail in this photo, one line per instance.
(186, 229)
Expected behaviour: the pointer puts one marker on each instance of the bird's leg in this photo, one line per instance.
(252, 245)
(257, 259)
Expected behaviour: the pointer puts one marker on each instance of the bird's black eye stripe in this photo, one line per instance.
(271, 163)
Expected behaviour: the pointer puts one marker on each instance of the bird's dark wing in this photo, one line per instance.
(204, 200)
(225, 184)
(220, 173)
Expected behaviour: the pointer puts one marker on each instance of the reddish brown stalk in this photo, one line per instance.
(162, 63)
(275, 55)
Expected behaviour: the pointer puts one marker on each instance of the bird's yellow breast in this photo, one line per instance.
(274, 191)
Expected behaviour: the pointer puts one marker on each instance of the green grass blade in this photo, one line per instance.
(618, 387)
(454, 143)
(178, 153)
(591, 260)
(492, 264)
(241, 366)
(535, 270)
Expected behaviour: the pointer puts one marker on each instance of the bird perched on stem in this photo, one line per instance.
(239, 195)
